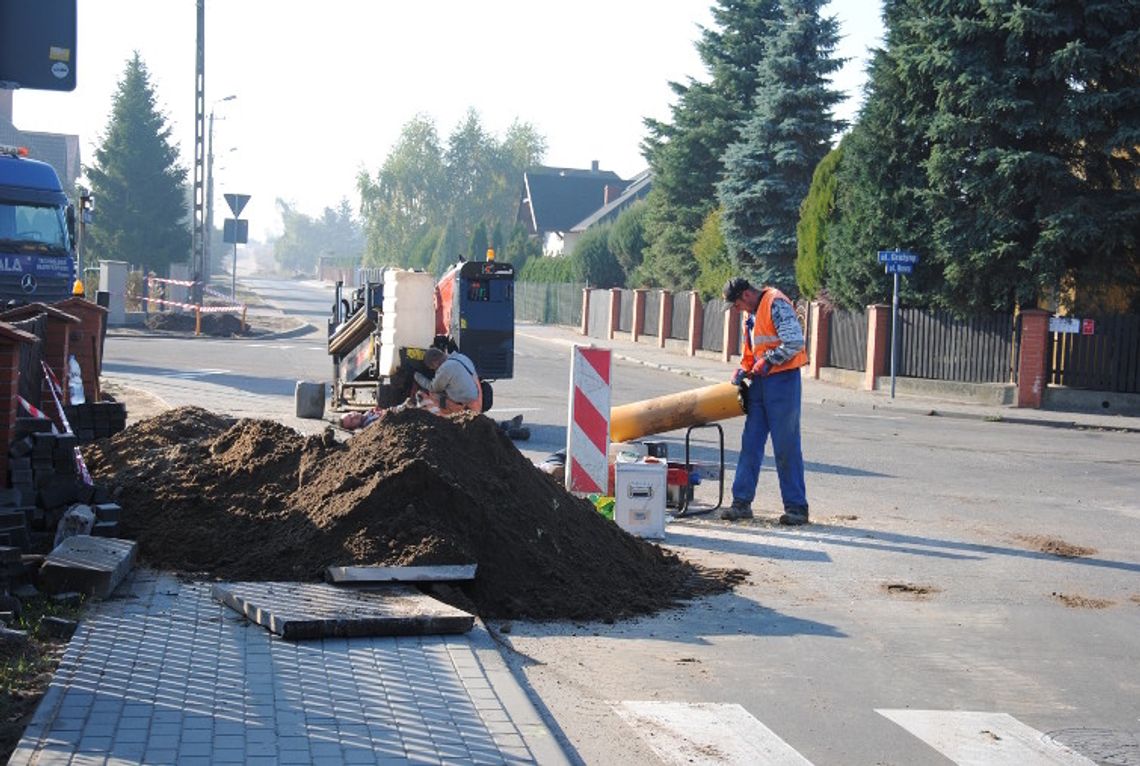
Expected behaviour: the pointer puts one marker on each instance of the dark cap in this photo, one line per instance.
(734, 288)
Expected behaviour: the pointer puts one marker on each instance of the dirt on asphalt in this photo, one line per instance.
(254, 500)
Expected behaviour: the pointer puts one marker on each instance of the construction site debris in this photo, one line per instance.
(254, 500)
(216, 325)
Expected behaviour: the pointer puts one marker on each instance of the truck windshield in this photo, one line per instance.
(33, 227)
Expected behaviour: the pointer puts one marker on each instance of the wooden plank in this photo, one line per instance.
(364, 575)
(298, 611)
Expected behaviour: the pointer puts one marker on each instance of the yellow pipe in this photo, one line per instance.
(666, 413)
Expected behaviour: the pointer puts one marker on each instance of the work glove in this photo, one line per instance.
(738, 377)
(762, 368)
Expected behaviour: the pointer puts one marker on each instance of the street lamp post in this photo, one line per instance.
(210, 193)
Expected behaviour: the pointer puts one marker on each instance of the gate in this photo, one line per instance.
(1108, 360)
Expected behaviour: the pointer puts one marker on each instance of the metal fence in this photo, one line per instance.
(598, 323)
(682, 308)
(1107, 360)
(652, 319)
(848, 342)
(939, 346)
(712, 329)
(549, 303)
(625, 313)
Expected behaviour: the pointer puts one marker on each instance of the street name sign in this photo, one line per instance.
(898, 256)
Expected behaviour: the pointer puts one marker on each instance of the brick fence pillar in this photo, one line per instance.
(664, 318)
(819, 344)
(696, 323)
(585, 311)
(638, 315)
(878, 343)
(615, 311)
(10, 341)
(731, 333)
(1032, 366)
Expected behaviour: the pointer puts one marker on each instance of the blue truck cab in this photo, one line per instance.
(37, 232)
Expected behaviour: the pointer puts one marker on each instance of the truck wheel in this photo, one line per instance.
(310, 400)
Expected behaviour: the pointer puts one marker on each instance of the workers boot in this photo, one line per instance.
(738, 510)
(794, 517)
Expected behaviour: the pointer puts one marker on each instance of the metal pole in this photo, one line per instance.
(207, 244)
(198, 253)
(894, 334)
(233, 276)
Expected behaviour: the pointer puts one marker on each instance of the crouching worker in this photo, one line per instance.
(455, 386)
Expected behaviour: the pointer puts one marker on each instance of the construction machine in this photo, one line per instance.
(379, 331)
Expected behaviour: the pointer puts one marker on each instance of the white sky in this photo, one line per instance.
(323, 89)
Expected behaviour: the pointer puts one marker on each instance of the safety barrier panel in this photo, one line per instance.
(198, 310)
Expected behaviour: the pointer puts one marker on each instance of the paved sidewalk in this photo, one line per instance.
(952, 403)
(163, 674)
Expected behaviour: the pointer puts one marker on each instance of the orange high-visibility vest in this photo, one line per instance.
(763, 335)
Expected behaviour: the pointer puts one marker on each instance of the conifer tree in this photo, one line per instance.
(685, 154)
(137, 182)
(769, 169)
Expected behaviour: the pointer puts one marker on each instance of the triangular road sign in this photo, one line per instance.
(237, 203)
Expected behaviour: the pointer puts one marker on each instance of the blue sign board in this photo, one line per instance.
(900, 268)
(898, 256)
(39, 265)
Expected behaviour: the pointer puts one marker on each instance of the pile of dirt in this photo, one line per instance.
(215, 325)
(254, 500)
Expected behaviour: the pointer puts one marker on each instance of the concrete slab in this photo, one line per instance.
(297, 611)
(368, 575)
(91, 565)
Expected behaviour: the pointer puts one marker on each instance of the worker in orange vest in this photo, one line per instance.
(769, 374)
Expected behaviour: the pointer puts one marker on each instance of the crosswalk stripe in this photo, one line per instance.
(707, 734)
(984, 739)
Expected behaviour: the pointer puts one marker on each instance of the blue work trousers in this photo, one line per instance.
(773, 408)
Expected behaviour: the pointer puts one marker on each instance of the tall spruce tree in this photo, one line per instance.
(685, 153)
(880, 197)
(769, 169)
(137, 182)
(1034, 169)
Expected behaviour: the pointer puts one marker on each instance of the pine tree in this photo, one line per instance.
(140, 189)
(1034, 166)
(768, 170)
(880, 197)
(685, 154)
(811, 231)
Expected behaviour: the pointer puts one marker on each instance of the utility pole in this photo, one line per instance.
(209, 246)
(200, 266)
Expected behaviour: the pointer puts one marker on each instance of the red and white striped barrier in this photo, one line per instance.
(180, 282)
(588, 432)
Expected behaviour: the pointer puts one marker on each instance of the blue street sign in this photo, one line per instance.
(898, 256)
(900, 268)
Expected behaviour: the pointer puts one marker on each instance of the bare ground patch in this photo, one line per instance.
(1056, 546)
(910, 589)
(1075, 601)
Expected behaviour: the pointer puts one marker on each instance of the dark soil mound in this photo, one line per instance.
(252, 499)
(216, 325)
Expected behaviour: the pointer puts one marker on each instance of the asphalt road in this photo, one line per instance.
(917, 621)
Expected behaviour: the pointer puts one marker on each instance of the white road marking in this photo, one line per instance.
(195, 374)
(707, 734)
(984, 739)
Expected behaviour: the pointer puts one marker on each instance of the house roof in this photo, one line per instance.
(560, 197)
(638, 187)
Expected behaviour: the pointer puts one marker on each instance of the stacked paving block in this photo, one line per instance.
(96, 420)
(45, 482)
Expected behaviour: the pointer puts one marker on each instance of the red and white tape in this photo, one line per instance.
(57, 397)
